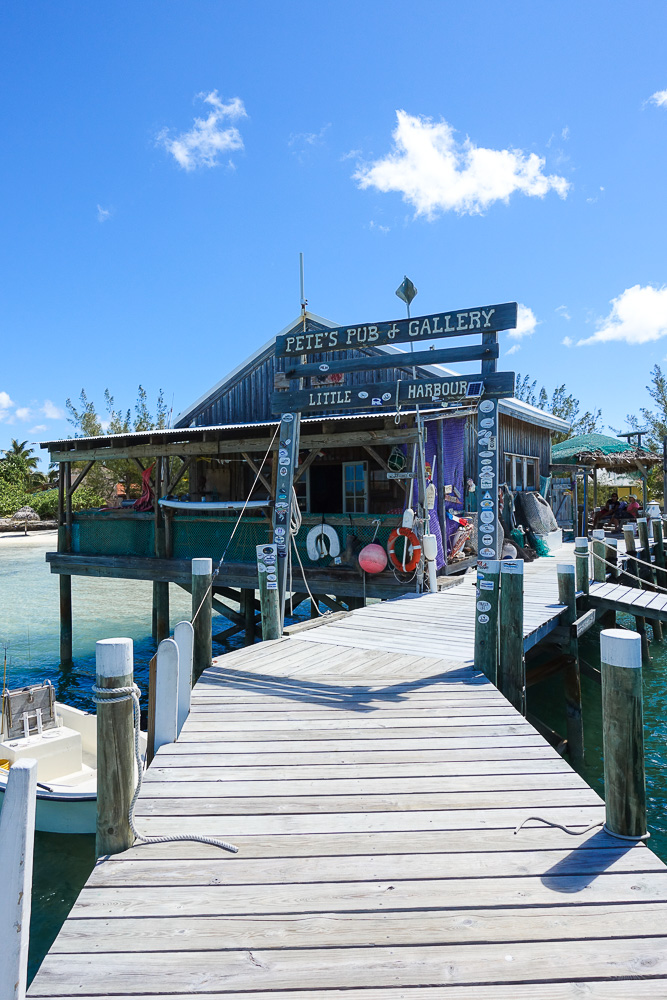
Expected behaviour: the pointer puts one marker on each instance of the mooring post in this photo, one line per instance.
(646, 572)
(660, 575)
(17, 837)
(572, 676)
(65, 545)
(184, 638)
(269, 600)
(115, 747)
(486, 617)
(581, 565)
(633, 567)
(623, 733)
(202, 614)
(511, 662)
(166, 694)
(599, 555)
(249, 616)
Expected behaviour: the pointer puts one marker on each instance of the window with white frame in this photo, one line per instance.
(522, 472)
(355, 487)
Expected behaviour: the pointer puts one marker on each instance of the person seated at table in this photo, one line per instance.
(626, 511)
(607, 512)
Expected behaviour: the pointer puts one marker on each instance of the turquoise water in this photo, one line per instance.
(29, 630)
(106, 608)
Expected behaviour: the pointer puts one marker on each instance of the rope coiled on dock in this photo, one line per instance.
(131, 693)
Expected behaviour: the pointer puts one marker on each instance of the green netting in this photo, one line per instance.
(109, 535)
(209, 536)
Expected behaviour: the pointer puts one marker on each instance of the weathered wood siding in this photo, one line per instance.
(247, 399)
(517, 437)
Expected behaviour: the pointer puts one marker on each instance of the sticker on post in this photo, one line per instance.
(486, 484)
(487, 539)
(272, 586)
(482, 619)
(486, 584)
(486, 422)
(487, 405)
(483, 606)
(485, 504)
(487, 553)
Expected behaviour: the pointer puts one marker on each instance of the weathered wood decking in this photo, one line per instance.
(372, 781)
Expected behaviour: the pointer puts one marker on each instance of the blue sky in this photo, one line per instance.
(164, 163)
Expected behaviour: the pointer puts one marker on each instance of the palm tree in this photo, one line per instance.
(25, 455)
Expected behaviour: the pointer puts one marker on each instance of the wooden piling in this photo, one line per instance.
(269, 600)
(623, 733)
(115, 748)
(184, 639)
(486, 617)
(659, 547)
(599, 555)
(633, 567)
(581, 565)
(166, 694)
(17, 837)
(202, 613)
(511, 663)
(65, 545)
(646, 572)
(571, 673)
(249, 616)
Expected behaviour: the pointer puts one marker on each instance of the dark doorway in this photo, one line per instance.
(326, 489)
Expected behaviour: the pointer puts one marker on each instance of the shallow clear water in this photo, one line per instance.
(29, 630)
(104, 608)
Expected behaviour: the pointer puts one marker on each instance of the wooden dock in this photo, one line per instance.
(372, 780)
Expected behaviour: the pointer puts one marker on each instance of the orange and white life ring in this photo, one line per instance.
(412, 553)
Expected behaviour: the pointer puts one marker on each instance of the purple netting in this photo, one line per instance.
(453, 451)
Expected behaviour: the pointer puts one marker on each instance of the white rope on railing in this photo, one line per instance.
(108, 696)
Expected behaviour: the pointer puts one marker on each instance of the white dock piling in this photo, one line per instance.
(166, 694)
(184, 636)
(17, 836)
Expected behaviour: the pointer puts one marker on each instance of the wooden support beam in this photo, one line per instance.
(256, 470)
(401, 360)
(201, 449)
(378, 458)
(306, 464)
(82, 475)
(181, 472)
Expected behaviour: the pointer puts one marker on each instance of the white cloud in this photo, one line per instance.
(208, 137)
(567, 342)
(37, 429)
(6, 403)
(352, 154)
(51, 411)
(513, 350)
(525, 323)
(659, 99)
(565, 134)
(435, 173)
(308, 138)
(562, 312)
(380, 228)
(24, 413)
(103, 213)
(638, 316)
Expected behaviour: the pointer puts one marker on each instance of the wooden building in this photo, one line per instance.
(224, 447)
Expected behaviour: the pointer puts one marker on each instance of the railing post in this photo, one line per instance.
(511, 664)
(166, 694)
(487, 602)
(623, 733)
(184, 639)
(17, 837)
(646, 572)
(202, 613)
(660, 575)
(633, 567)
(269, 601)
(599, 556)
(581, 564)
(572, 676)
(115, 747)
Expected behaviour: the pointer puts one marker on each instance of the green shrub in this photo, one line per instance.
(46, 503)
(13, 496)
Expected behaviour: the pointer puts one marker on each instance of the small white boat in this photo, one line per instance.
(214, 504)
(63, 741)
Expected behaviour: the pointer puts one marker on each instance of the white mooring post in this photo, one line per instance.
(184, 637)
(623, 733)
(166, 694)
(17, 836)
(115, 747)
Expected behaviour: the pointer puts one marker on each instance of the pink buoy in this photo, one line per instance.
(373, 558)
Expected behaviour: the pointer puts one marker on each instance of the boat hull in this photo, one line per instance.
(61, 813)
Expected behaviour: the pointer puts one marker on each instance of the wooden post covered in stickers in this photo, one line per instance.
(288, 454)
